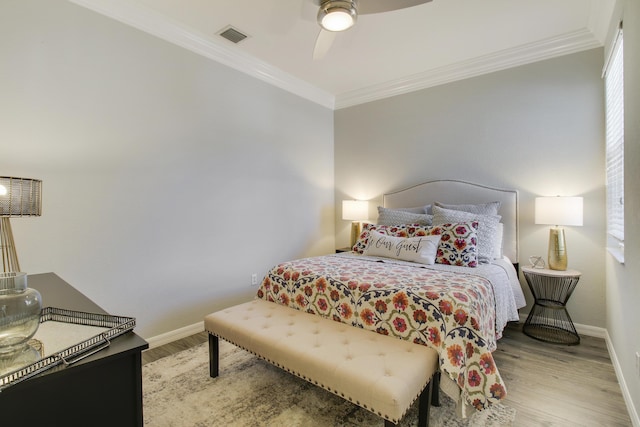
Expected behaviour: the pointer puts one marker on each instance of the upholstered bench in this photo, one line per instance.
(382, 374)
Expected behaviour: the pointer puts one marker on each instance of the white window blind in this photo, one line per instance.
(614, 88)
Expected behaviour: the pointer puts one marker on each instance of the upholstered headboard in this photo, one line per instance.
(459, 192)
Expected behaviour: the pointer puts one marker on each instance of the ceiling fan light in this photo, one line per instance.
(337, 15)
(337, 20)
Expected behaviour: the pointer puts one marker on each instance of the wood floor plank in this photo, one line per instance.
(557, 385)
(156, 353)
(548, 384)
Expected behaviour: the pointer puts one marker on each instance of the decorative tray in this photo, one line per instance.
(63, 338)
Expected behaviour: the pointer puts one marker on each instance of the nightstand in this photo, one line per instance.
(549, 319)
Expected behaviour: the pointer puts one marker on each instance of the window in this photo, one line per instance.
(614, 91)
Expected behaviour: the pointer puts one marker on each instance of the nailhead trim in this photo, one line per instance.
(329, 389)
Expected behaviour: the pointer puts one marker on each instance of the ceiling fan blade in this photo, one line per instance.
(377, 6)
(323, 43)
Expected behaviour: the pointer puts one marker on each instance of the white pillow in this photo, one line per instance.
(420, 249)
(498, 250)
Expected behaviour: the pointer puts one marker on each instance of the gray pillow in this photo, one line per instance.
(388, 216)
(487, 228)
(417, 209)
(490, 208)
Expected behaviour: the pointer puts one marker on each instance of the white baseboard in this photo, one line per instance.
(633, 413)
(186, 331)
(175, 335)
(590, 331)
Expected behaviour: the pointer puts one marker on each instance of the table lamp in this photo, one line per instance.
(18, 197)
(356, 211)
(558, 211)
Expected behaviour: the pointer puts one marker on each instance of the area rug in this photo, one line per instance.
(177, 392)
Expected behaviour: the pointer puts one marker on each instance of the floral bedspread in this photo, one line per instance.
(453, 313)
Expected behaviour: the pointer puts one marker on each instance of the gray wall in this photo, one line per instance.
(623, 281)
(537, 128)
(168, 178)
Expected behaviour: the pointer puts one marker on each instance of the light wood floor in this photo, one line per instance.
(547, 384)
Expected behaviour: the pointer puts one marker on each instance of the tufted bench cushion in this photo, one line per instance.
(382, 374)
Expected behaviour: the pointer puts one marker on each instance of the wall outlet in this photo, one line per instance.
(254, 279)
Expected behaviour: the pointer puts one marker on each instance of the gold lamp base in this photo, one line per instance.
(356, 229)
(557, 249)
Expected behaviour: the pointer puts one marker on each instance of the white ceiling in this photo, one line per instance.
(383, 54)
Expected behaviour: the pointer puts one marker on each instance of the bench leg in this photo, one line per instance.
(424, 404)
(214, 350)
(435, 392)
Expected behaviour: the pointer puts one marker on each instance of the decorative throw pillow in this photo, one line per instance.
(490, 208)
(421, 249)
(402, 230)
(458, 243)
(388, 216)
(487, 228)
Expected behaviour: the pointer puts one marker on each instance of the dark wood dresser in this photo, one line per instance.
(104, 389)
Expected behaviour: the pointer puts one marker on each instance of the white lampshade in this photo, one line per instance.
(558, 210)
(355, 210)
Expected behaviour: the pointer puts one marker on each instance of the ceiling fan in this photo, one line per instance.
(340, 15)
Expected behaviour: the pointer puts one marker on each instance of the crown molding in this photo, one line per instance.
(146, 20)
(565, 44)
(600, 13)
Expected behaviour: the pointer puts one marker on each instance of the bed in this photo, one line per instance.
(456, 296)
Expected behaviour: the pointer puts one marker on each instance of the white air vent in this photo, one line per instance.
(232, 34)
